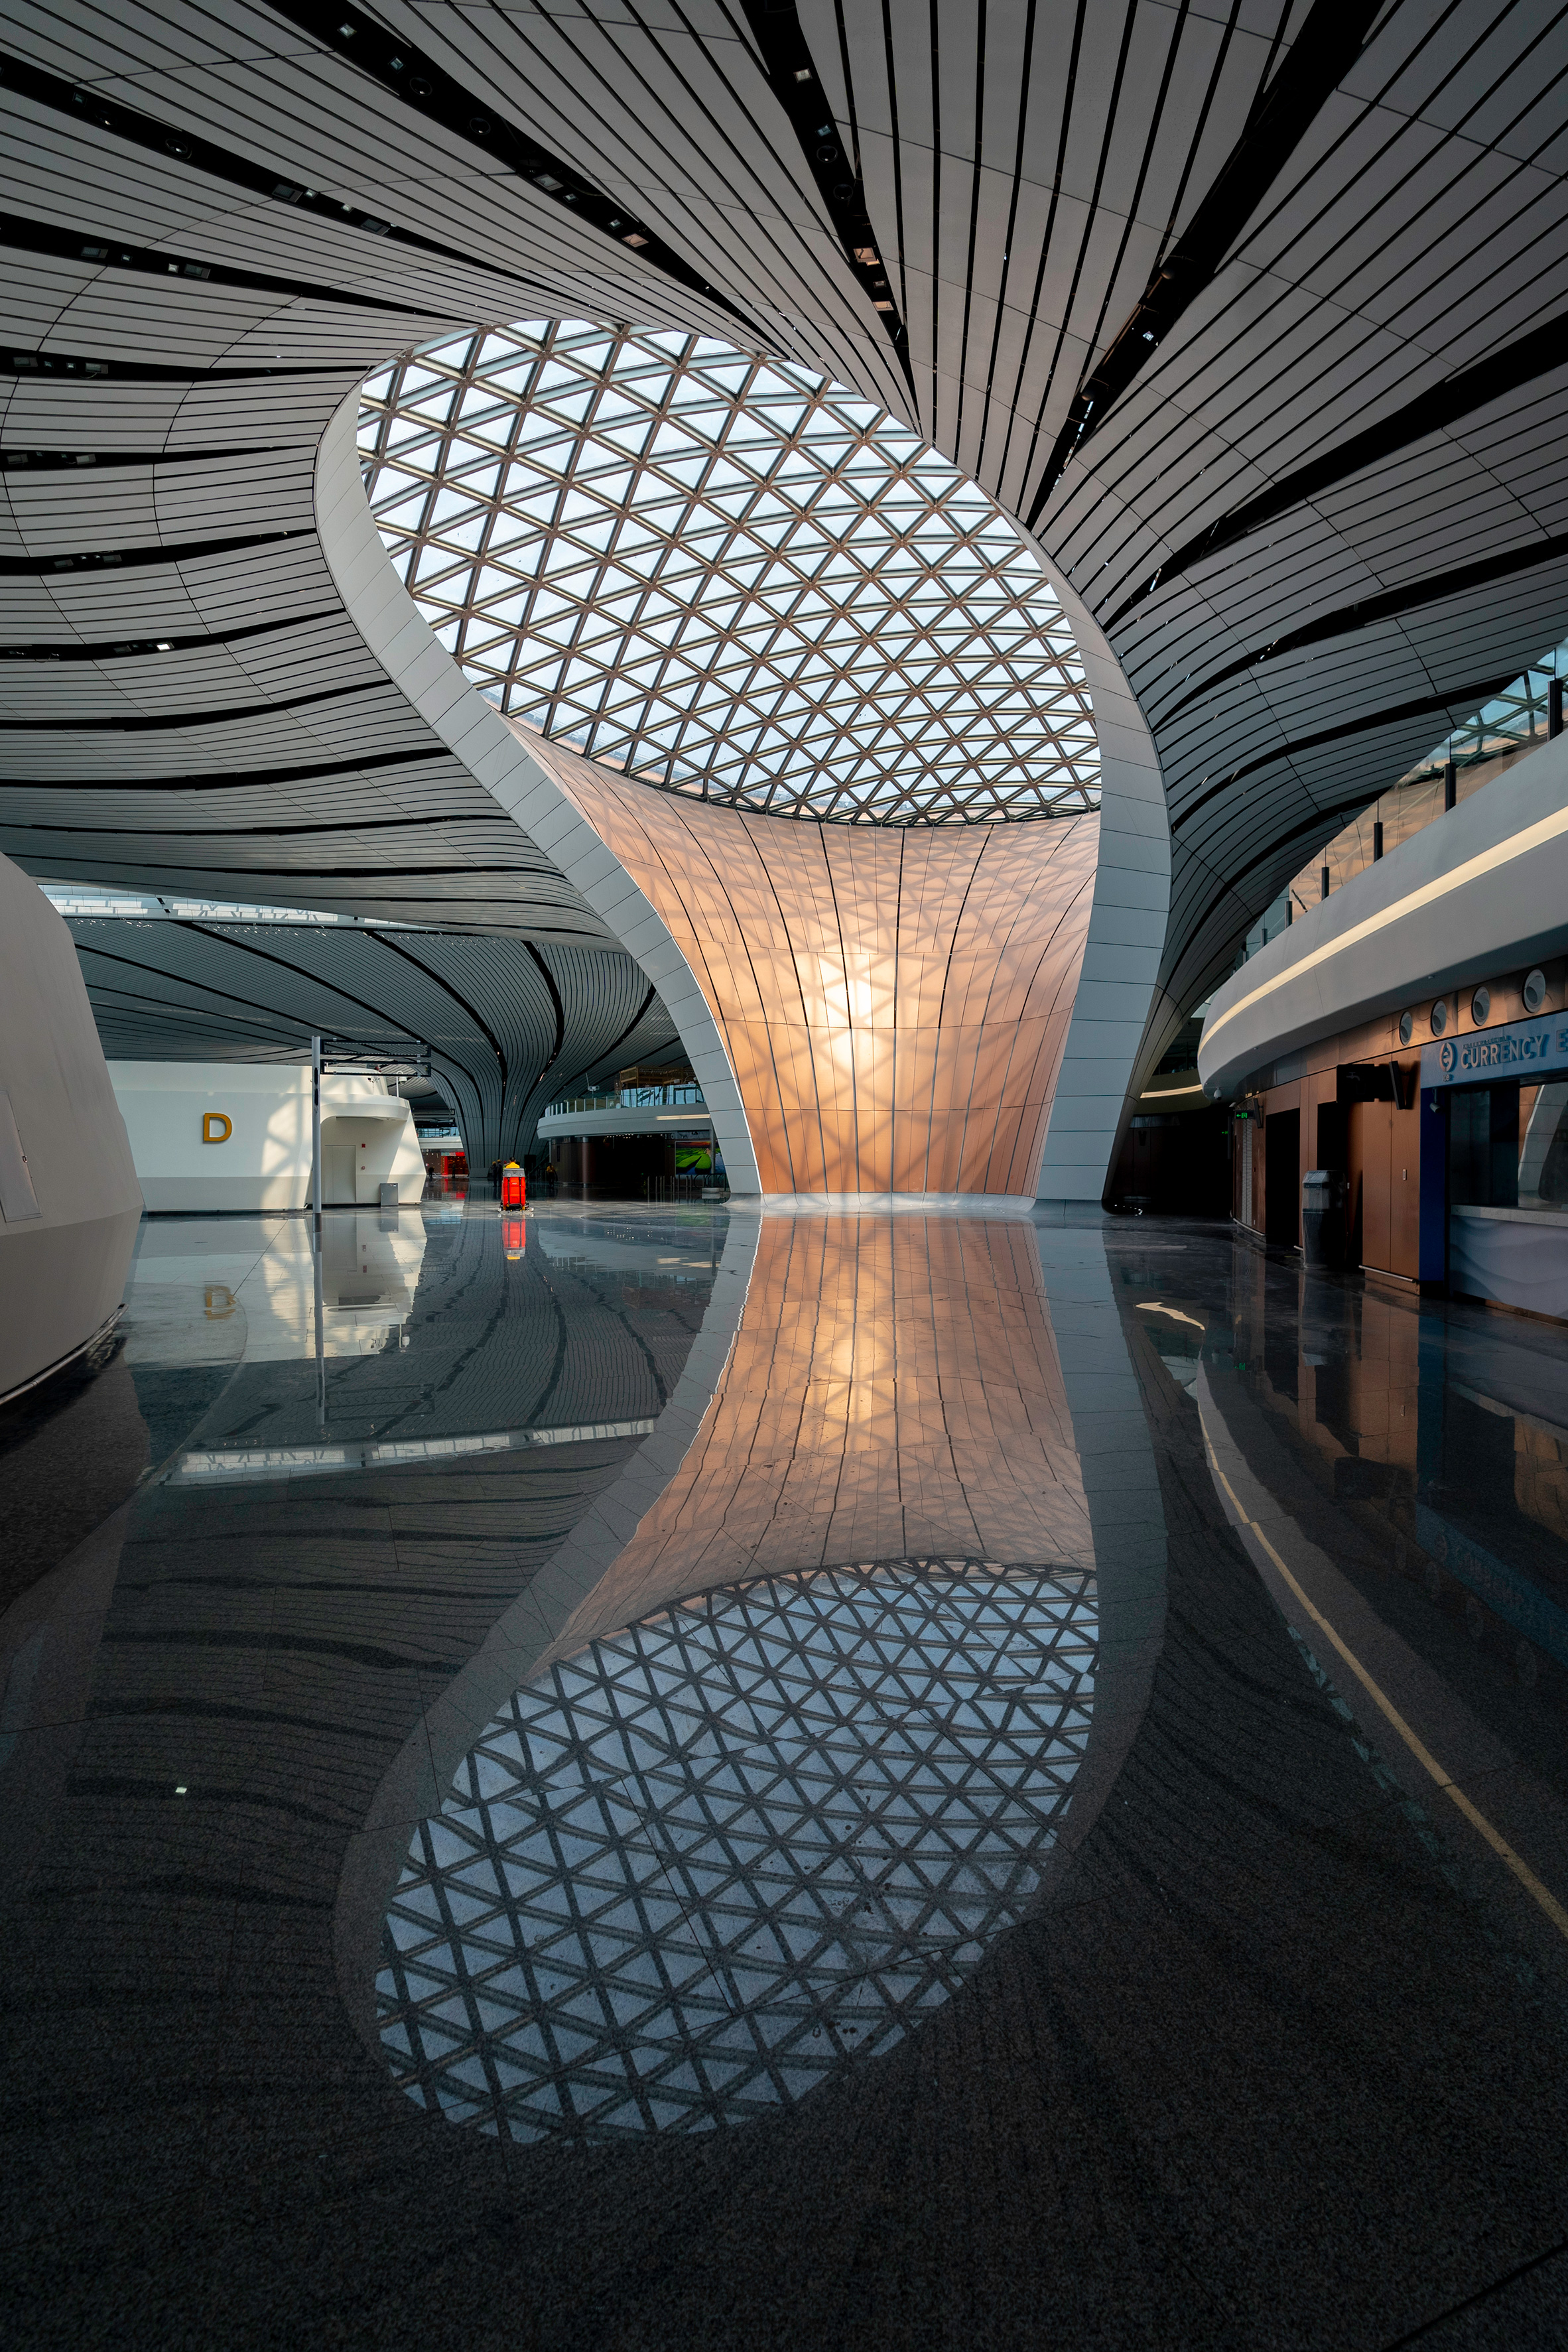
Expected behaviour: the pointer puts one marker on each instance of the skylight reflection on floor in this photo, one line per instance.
(689, 1872)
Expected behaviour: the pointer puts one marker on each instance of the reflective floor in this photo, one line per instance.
(640, 1777)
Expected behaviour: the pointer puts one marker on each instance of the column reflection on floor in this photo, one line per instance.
(950, 1810)
(702, 1858)
(201, 1697)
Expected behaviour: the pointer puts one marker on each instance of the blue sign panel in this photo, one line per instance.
(1521, 1049)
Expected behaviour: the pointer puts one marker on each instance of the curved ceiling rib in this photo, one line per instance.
(1326, 359)
(1326, 46)
(212, 991)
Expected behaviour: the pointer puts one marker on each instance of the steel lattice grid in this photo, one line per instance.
(727, 577)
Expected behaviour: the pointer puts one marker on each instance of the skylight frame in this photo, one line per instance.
(742, 625)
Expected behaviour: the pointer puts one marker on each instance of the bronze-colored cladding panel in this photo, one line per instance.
(894, 1002)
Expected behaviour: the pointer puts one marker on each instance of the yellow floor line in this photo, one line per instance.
(1499, 1844)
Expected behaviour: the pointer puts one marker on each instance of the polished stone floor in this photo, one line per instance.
(639, 1776)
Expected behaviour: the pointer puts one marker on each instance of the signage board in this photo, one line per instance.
(1519, 1049)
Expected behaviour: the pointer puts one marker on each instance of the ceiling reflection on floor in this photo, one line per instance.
(433, 1339)
(1124, 2001)
(692, 1870)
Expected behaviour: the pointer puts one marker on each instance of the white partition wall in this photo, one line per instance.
(234, 1135)
(69, 1205)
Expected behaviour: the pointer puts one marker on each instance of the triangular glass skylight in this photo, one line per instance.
(767, 593)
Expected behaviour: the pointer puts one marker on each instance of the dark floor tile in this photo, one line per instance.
(1525, 2311)
(1277, 2057)
(71, 1451)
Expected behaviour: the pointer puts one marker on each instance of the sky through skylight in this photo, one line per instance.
(726, 576)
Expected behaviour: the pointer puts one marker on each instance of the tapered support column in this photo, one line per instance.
(870, 1010)
(893, 1004)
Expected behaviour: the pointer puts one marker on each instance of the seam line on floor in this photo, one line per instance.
(1533, 1886)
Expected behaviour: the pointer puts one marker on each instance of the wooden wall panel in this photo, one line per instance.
(895, 1004)
(1405, 1192)
(1386, 1147)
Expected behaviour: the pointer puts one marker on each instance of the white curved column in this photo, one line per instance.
(387, 619)
(1126, 927)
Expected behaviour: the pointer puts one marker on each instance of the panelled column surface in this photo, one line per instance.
(894, 1003)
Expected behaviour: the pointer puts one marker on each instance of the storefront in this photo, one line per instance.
(1354, 1112)
(653, 1163)
(1449, 1154)
(1501, 1096)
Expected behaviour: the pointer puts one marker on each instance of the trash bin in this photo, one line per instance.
(513, 1187)
(1320, 1217)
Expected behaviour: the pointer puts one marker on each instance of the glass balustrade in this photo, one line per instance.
(684, 1094)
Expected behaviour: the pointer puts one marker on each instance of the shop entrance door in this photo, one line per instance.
(1283, 1178)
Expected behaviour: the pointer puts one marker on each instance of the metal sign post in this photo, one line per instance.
(393, 1060)
(321, 1332)
(316, 1230)
(316, 1137)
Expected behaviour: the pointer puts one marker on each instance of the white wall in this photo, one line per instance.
(62, 1272)
(264, 1162)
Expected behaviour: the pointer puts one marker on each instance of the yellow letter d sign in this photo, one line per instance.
(216, 1127)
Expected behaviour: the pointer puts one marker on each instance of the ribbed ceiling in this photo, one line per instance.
(509, 1025)
(1258, 317)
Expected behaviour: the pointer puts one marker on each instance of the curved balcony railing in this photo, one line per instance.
(687, 1094)
(1503, 731)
